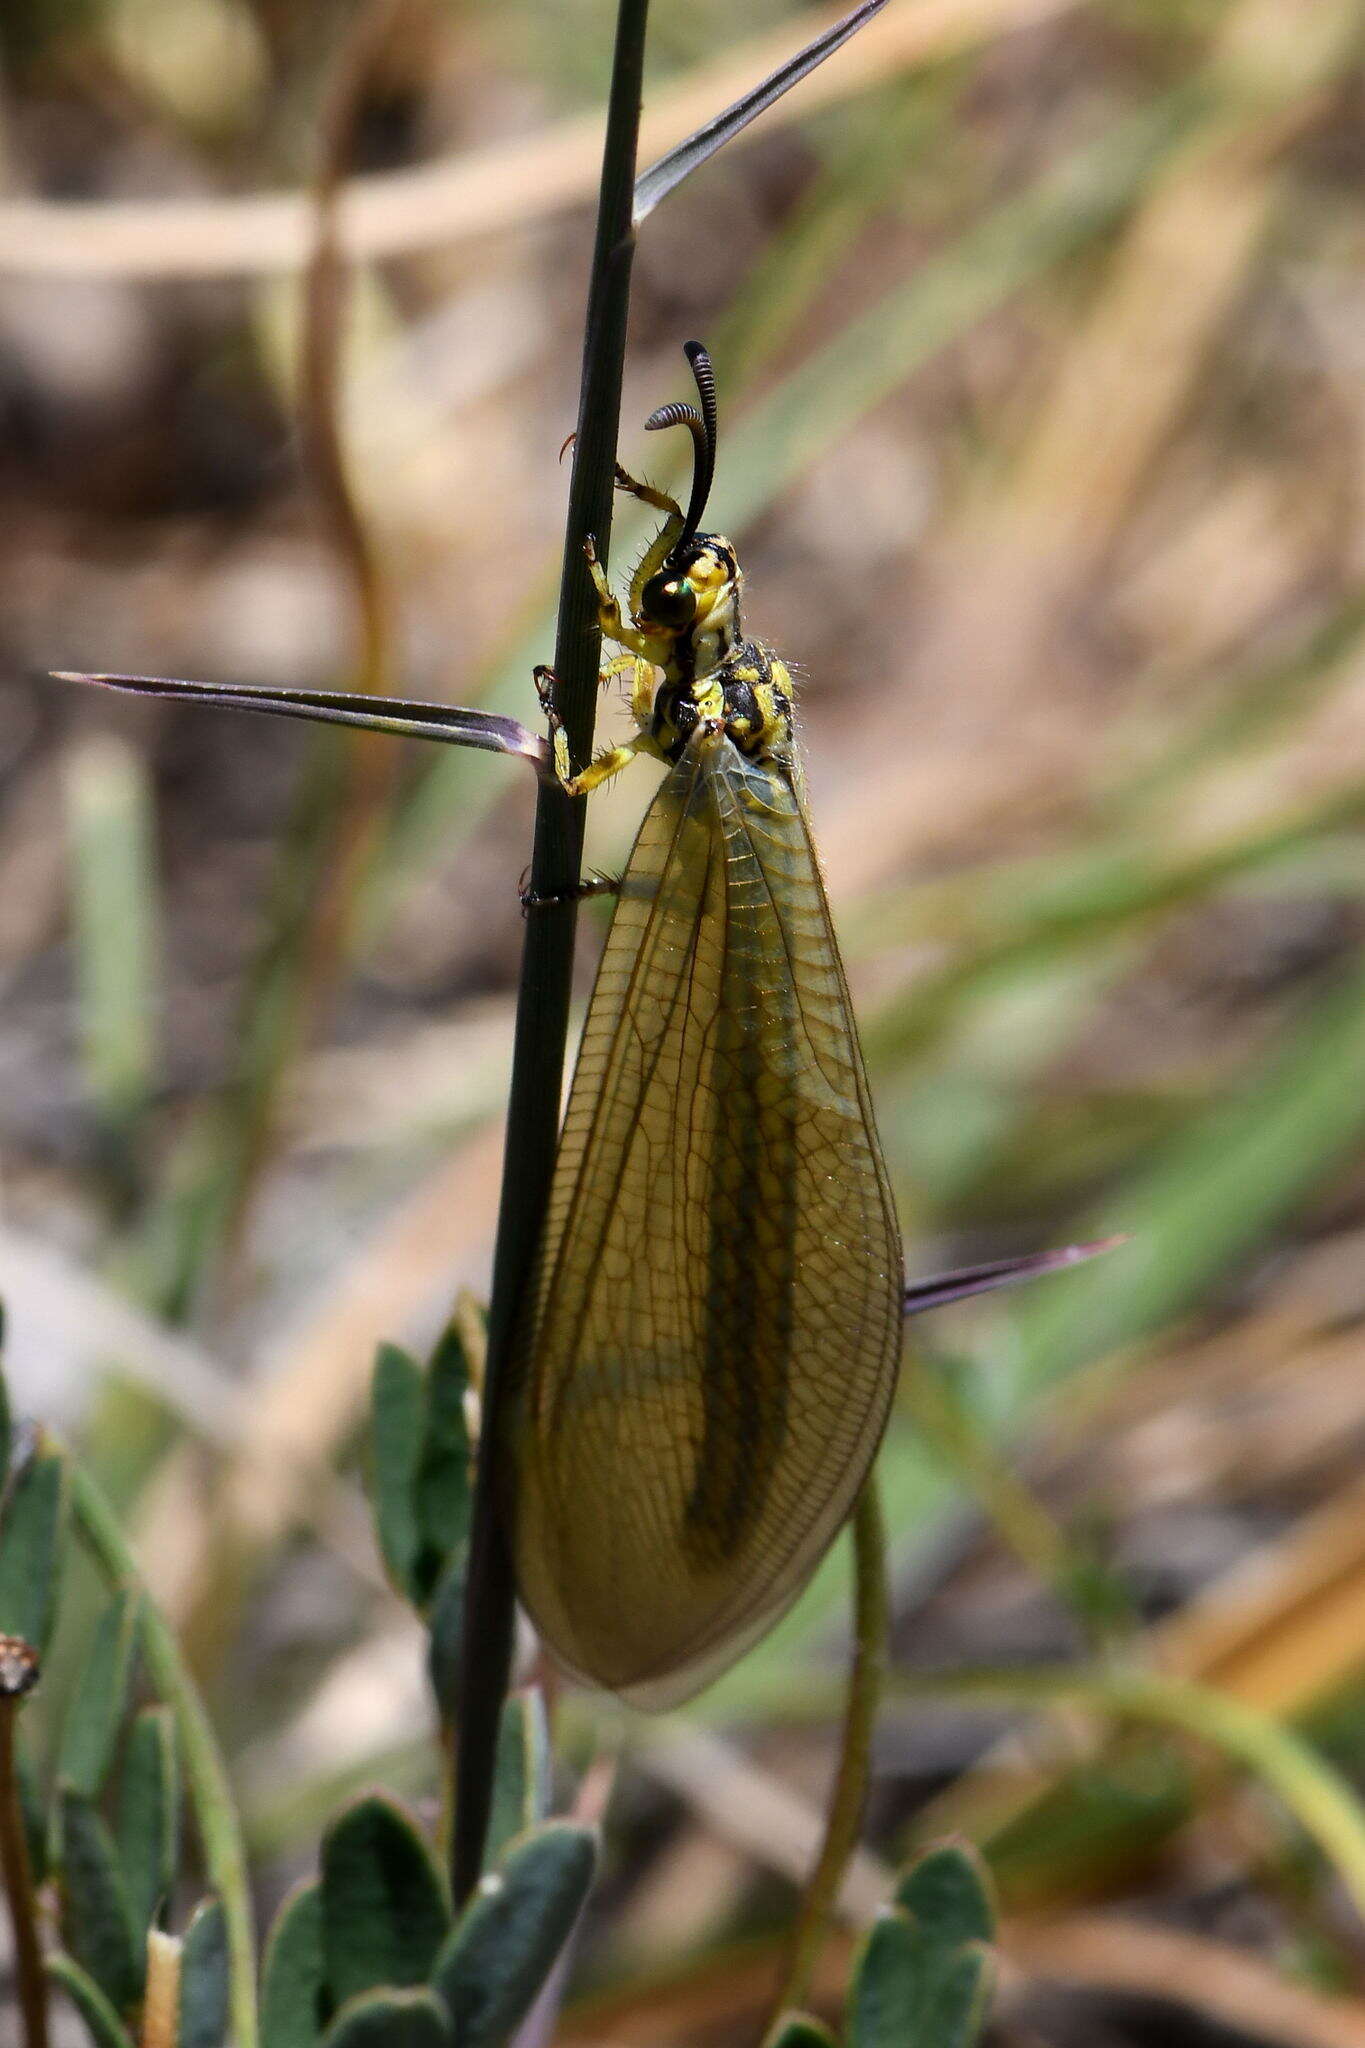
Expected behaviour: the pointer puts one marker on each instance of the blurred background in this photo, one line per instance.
(1039, 331)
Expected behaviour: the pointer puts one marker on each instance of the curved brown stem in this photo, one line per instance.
(848, 1797)
(29, 1977)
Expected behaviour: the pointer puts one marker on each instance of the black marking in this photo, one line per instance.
(743, 678)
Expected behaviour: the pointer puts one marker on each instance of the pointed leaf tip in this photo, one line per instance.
(678, 163)
(489, 732)
(204, 1979)
(947, 1892)
(965, 1281)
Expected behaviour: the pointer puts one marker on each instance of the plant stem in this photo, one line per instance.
(215, 1813)
(848, 1799)
(1322, 1801)
(161, 1999)
(547, 955)
(29, 1978)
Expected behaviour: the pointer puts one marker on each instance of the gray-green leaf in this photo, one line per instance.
(390, 2019)
(506, 1941)
(384, 1913)
(887, 1982)
(149, 1813)
(292, 1981)
(32, 1530)
(444, 1480)
(98, 1700)
(204, 1979)
(947, 1892)
(445, 1640)
(398, 1425)
(102, 2023)
(521, 1782)
(97, 1921)
(952, 2010)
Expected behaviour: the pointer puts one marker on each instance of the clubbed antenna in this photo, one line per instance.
(702, 427)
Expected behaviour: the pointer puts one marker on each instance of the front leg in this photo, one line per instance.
(647, 495)
(609, 615)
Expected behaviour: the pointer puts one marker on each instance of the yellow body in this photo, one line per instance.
(710, 1345)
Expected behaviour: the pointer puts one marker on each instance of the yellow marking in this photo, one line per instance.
(613, 625)
(603, 766)
(643, 683)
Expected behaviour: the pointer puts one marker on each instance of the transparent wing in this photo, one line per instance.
(707, 1358)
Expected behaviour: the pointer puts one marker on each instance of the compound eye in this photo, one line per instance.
(669, 599)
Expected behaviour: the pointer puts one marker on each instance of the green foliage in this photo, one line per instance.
(348, 1955)
(521, 1789)
(445, 1640)
(886, 1996)
(391, 2019)
(422, 1467)
(947, 1893)
(32, 1532)
(506, 1942)
(1095, 1820)
(923, 1976)
(384, 1912)
(421, 1476)
(397, 1426)
(204, 1979)
(149, 1813)
(799, 2030)
(98, 1926)
(102, 2023)
(443, 1494)
(293, 1996)
(99, 1700)
(111, 1884)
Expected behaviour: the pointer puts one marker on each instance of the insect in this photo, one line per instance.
(707, 1354)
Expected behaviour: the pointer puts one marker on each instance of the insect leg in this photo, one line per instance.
(612, 759)
(619, 665)
(591, 885)
(642, 692)
(547, 682)
(609, 615)
(606, 764)
(647, 494)
(643, 683)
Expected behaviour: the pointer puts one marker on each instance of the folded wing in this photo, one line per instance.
(706, 1361)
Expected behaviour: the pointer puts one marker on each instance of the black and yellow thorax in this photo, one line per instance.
(711, 673)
